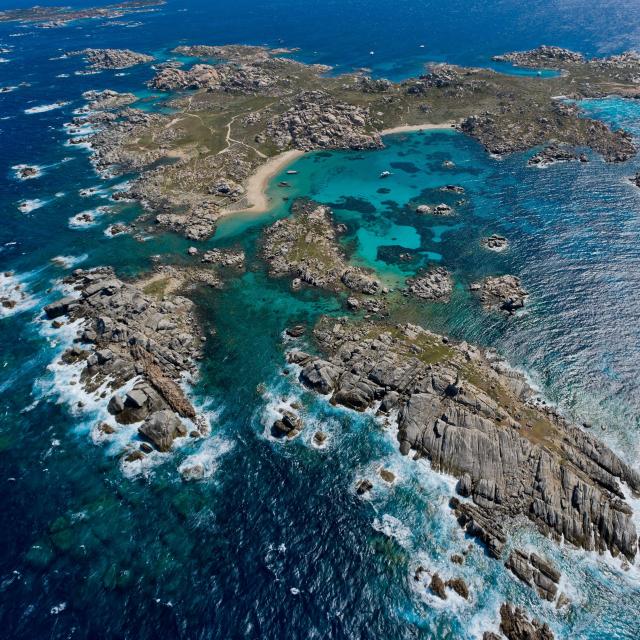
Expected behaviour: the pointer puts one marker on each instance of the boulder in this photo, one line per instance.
(162, 428)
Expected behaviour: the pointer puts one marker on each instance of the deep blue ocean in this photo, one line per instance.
(274, 543)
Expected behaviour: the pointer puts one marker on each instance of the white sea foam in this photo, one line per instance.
(276, 405)
(112, 230)
(18, 168)
(87, 218)
(14, 296)
(59, 608)
(45, 107)
(27, 206)
(68, 262)
(391, 527)
(203, 464)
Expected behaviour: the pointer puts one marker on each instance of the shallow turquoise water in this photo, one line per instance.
(89, 552)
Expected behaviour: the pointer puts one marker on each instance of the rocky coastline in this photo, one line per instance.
(57, 16)
(304, 246)
(241, 106)
(136, 338)
(100, 59)
(474, 418)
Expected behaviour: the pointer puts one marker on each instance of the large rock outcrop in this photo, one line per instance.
(472, 418)
(129, 334)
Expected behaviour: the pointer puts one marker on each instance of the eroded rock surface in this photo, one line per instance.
(501, 293)
(129, 334)
(434, 285)
(472, 418)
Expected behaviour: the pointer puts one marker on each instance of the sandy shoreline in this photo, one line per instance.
(256, 188)
(256, 200)
(406, 128)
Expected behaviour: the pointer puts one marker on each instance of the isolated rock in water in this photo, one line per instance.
(112, 58)
(435, 285)
(459, 586)
(224, 257)
(296, 331)
(502, 293)
(495, 243)
(423, 209)
(162, 428)
(516, 626)
(190, 471)
(555, 153)
(364, 486)
(636, 179)
(437, 587)
(289, 425)
(442, 210)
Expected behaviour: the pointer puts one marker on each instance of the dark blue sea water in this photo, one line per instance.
(274, 543)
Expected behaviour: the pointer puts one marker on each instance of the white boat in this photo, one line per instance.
(385, 174)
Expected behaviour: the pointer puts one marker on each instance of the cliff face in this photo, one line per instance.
(472, 418)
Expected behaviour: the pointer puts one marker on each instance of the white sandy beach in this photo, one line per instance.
(256, 187)
(406, 128)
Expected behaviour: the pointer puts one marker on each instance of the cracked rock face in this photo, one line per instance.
(129, 334)
(511, 457)
(515, 625)
(435, 285)
(317, 121)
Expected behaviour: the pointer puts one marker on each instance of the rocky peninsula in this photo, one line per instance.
(100, 59)
(140, 337)
(474, 418)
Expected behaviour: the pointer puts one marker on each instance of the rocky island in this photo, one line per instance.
(241, 107)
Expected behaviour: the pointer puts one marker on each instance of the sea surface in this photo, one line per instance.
(274, 543)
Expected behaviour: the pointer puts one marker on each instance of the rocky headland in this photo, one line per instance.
(100, 59)
(137, 336)
(474, 418)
